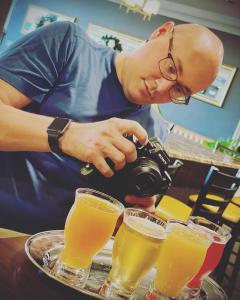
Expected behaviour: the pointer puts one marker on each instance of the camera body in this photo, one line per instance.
(150, 174)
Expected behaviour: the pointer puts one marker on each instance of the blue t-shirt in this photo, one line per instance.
(66, 74)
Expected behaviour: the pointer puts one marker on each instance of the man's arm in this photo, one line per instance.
(23, 131)
(11, 96)
(89, 142)
(20, 131)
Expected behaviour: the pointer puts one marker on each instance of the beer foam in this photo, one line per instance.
(189, 233)
(215, 236)
(98, 203)
(146, 227)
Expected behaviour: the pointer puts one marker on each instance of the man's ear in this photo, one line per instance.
(163, 29)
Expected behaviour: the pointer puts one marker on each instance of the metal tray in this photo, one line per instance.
(43, 250)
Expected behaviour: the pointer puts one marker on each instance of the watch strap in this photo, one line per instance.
(55, 130)
(53, 141)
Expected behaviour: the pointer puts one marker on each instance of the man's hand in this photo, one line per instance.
(146, 203)
(94, 142)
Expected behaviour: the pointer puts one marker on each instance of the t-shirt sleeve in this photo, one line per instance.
(33, 64)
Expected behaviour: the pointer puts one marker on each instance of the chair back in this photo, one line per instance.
(219, 184)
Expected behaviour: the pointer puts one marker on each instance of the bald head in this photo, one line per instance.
(197, 54)
(202, 53)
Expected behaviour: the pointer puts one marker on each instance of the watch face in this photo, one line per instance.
(59, 124)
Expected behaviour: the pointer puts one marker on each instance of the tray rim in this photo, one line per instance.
(82, 290)
(94, 295)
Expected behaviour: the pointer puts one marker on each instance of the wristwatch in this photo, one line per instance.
(55, 130)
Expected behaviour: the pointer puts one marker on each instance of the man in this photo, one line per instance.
(59, 72)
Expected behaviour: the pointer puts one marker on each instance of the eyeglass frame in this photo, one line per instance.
(169, 56)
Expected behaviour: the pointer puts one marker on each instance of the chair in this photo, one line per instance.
(193, 198)
(227, 272)
(228, 269)
(215, 194)
(236, 200)
(214, 203)
(170, 207)
(217, 185)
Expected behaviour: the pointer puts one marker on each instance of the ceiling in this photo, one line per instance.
(223, 15)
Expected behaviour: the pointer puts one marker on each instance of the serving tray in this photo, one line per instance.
(44, 248)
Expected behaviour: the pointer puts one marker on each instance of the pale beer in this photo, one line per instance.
(135, 251)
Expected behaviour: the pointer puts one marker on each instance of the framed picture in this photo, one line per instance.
(215, 94)
(37, 16)
(98, 33)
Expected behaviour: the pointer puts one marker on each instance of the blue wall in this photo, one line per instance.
(199, 116)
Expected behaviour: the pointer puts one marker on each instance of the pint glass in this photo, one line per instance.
(135, 251)
(220, 236)
(89, 225)
(181, 257)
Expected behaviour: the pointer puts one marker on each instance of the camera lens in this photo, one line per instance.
(145, 177)
(145, 181)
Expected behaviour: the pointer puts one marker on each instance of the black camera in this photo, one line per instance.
(150, 174)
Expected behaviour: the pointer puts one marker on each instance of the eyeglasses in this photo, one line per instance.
(168, 71)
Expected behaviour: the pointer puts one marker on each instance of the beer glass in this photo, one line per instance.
(89, 225)
(181, 256)
(220, 236)
(135, 251)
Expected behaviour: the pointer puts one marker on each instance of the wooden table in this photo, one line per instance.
(197, 160)
(21, 280)
(183, 148)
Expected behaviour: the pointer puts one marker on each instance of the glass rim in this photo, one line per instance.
(172, 220)
(102, 195)
(196, 229)
(128, 209)
(223, 233)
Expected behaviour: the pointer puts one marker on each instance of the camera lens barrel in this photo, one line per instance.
(144, 177)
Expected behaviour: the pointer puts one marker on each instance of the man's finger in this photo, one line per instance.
(102, 166)
(115, 156)
(127, 148)
(133, 127)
